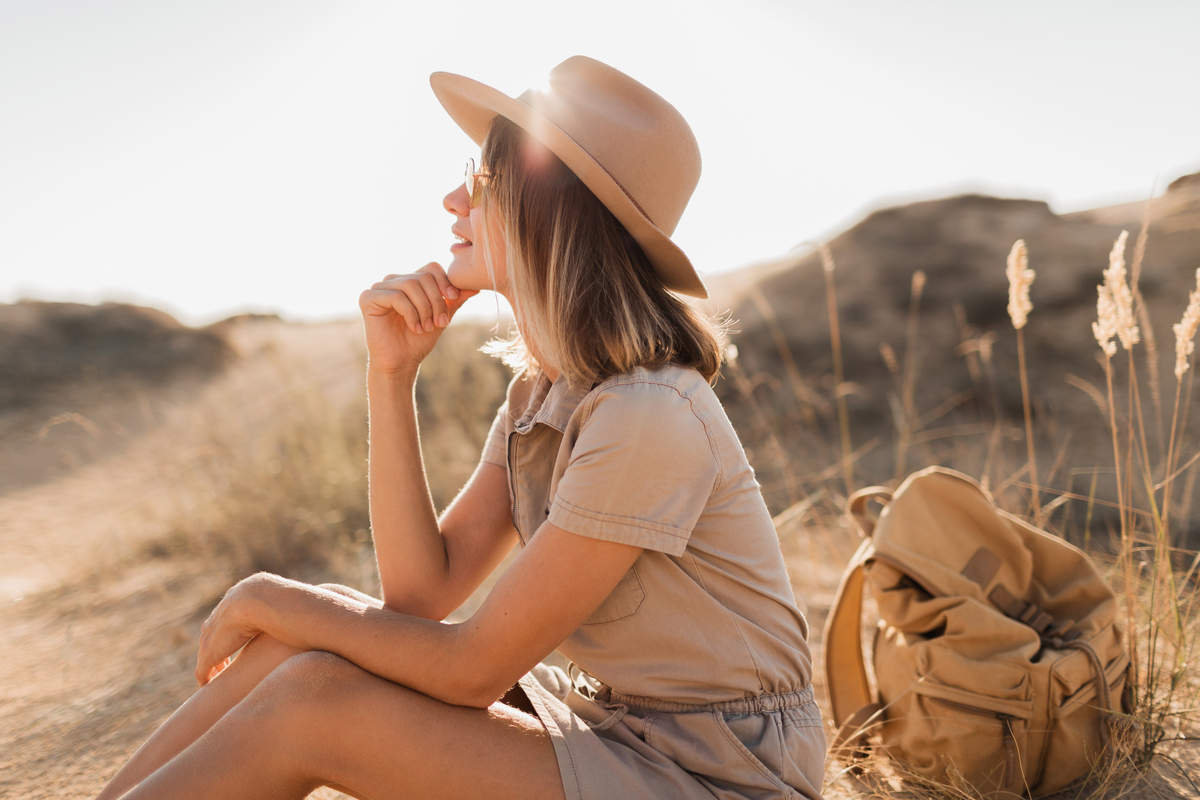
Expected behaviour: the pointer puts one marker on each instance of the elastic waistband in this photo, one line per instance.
(742, 705)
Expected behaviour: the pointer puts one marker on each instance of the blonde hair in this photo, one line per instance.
(584, 290)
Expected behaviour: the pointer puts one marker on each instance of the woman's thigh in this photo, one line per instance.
(373, 738)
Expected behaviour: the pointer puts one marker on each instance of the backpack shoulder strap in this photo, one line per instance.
(845, 673)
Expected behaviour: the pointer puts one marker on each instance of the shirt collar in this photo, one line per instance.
(551, 403)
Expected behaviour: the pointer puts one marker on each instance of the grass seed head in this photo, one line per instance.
(1185, 330)
(889, 358)
(1122, 298)
(1105, 326)
(918, 283)
(1020, 278)
(827, 262)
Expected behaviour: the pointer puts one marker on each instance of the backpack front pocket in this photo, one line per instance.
(952, 734)
(1075, 741)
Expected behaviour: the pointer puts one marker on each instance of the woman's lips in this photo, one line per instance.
(459, 246)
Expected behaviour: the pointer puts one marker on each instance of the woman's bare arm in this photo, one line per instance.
(409, 548)
(427, 566)
(559, 579)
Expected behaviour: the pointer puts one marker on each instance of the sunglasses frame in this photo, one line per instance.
(470, 174)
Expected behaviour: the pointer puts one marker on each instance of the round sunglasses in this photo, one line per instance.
(473, 179)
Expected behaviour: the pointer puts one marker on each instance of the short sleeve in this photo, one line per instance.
(495, 446)
(641, 470)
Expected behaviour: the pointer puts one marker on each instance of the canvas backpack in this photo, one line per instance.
(998, 657)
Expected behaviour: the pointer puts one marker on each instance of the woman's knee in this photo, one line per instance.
(304, 682)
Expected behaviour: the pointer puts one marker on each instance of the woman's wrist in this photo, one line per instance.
(398, 375)
(292, 611)
(265, 605)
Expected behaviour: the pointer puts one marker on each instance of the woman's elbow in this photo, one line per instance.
(476, 683)
(477, 699)
(415, 604)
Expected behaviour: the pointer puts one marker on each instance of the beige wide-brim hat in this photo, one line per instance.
(631, 147)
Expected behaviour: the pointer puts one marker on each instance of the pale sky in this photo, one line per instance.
(230, 155)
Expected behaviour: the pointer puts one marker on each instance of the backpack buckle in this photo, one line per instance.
(1025, 612)
(1033, 616)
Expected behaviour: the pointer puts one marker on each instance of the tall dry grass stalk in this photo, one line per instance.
(765, 430)
(828, 267)
(1147, 329)
(1185, 335)
(811, 403)
(1111, 296)
(908, 417)
(1020, 278)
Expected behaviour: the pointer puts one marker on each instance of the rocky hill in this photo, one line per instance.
(77, 381)
(958, 352)
(46, 348)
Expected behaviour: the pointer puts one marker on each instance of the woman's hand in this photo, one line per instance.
(229, 626)
(403, 316)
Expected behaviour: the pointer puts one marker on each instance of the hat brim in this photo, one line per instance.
(472, 105)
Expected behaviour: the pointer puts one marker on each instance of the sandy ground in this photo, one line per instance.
(97, 650)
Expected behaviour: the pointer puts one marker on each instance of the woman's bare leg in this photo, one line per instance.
(209, 703)
(319, 719)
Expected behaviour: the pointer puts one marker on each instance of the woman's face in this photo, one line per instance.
(467, 269)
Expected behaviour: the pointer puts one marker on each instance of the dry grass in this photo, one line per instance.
(288, 495)
(1152, 566)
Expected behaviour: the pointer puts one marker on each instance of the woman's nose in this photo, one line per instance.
(458, 202)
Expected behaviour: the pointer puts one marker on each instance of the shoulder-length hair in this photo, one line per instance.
(584, 290)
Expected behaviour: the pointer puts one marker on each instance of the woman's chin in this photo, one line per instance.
(461, 273)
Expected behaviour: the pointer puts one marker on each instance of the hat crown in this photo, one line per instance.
(632, 133)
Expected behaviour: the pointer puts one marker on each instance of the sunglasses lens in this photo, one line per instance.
(469, 180)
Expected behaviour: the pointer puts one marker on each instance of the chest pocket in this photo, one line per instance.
(625, 598)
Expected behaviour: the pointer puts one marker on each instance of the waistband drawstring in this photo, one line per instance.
(587, 684)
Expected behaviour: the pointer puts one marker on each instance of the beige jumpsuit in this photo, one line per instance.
(692, 679)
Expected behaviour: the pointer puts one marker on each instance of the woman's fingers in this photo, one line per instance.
(445, 287)
(380, 302)
(213, 672)
(455, 296)
(413, 288)
(209, 664)
(219, 645)
(425, 295)
(429, 292)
